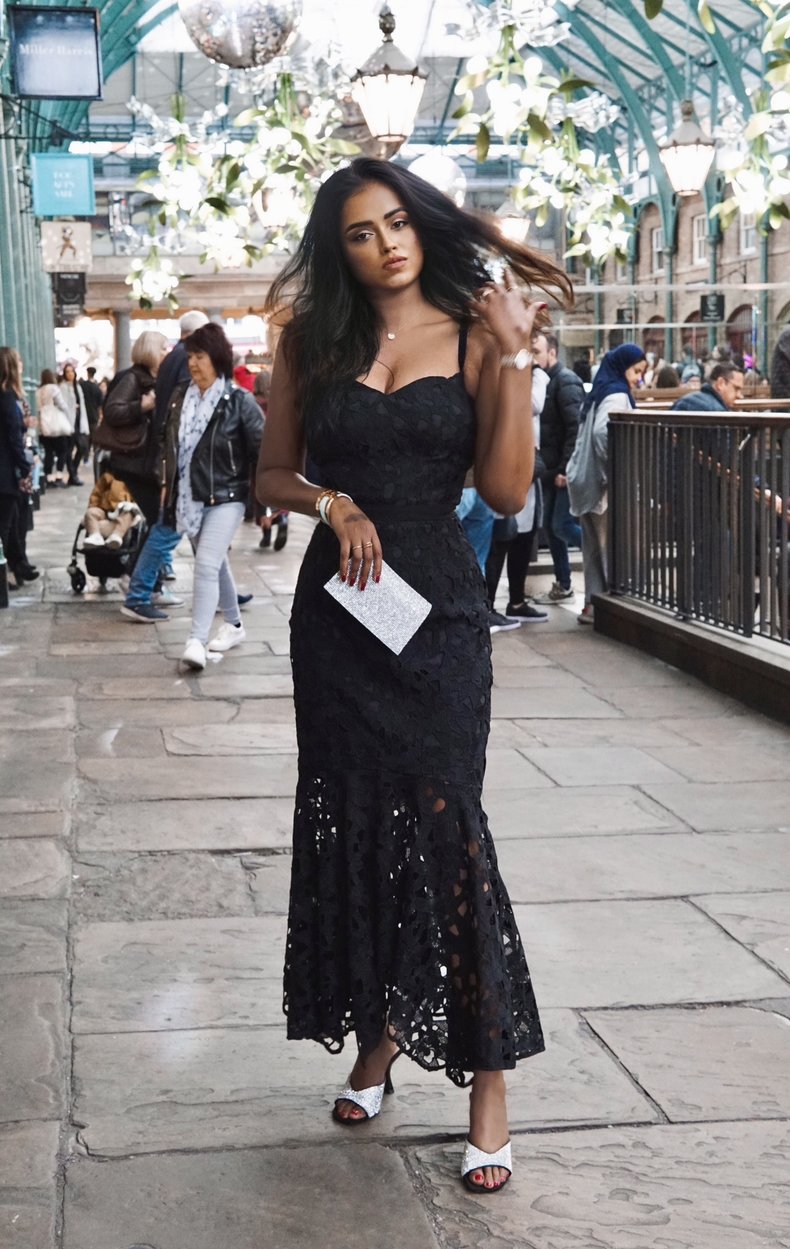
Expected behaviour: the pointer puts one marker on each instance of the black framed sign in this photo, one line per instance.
(55, 52)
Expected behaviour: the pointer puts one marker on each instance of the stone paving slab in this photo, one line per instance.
(575, 733)
(507, 769)
(706, 1186)
(713, 1062)
(171, 974)
(216, 1087)
(35, 824)
(32, 1048)
(160, 886)
(600, 662)
(550, 704)
(32, 867)
(32, 937)
(549, 677)
(37, 712)
(200, 824)
(760, 921)
(28, 1196)
(232, 739)
(684, 701)
(560, 812)
(269, 878)
(731, 731)
(26, 785)
(584, 954)
(600, 765)
(736, 805)
(154, 713)
(757, 761)
(120, 743)
(251, 1199)
(125, 780)
(642, 865)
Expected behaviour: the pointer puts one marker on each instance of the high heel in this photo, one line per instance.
(475, 1159)
(368, 1099)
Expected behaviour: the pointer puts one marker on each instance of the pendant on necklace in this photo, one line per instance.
(390, 337)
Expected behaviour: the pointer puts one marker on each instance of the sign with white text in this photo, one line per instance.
(55, 52)
(62, 185)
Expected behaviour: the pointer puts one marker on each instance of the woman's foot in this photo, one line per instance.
(367, 1073)
(488, 1126)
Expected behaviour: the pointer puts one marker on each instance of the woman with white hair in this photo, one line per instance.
(128, 429)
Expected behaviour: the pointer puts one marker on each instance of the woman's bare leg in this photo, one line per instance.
(368, 1071)
(488, 1126)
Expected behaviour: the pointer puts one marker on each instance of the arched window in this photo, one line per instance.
(739, 330)
(692, 334)
(654, 337)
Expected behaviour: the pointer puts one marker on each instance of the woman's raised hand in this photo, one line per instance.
(503, 311)
(360, 548)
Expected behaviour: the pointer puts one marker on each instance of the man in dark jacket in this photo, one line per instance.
(559, 424)
(720, 393)
(780, 366)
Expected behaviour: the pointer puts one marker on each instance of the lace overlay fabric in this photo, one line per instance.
(398, 916)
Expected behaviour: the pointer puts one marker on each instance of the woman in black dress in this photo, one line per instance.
(401, 366)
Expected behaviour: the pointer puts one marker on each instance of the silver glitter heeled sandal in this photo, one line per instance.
(475, 1159)
(369, 1099)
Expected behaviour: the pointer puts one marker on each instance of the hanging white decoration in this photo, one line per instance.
(242, 34)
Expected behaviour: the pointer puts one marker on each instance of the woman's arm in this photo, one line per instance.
(280, 480)
(58, 400)
(505, 448)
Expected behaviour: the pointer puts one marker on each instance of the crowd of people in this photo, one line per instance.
(172, 444)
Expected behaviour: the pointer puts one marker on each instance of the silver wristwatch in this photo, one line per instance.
(517, 360)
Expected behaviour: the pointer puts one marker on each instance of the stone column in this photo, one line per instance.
(123, 338)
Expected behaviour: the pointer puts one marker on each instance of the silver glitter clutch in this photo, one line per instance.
(391, 610)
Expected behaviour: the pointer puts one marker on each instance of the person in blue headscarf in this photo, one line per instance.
(620, 372)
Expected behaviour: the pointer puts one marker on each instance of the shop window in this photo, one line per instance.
(699, 240)
(748, 233)
(657, 249)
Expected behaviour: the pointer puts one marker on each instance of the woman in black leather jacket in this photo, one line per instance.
(212, 435)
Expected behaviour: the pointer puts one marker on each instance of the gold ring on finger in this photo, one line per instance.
(367, 544)
(357, 548)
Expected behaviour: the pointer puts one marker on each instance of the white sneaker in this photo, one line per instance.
(114, 540)
(93, 539)
(194, 655)
(164, 598)
(228, 636)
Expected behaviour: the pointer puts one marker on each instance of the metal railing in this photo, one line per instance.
(698, 516)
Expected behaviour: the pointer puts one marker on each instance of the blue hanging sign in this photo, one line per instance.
(63, 185)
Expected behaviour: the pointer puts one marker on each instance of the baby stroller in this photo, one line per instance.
(104, 562)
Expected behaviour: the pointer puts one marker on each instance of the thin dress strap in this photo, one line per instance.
(462, 337)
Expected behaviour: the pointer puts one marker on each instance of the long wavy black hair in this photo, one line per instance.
(333, 334)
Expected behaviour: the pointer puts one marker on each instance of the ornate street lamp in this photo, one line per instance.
(687, 154)
(388, 88)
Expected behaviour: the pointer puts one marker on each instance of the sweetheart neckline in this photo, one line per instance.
(431, 377)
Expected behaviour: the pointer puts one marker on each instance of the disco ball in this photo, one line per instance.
(241, 34)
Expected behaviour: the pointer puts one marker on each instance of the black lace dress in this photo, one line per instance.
(398, 915)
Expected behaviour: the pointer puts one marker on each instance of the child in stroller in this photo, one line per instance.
(114, 530)
(111, 513)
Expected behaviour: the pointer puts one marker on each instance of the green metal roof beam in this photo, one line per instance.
(641, 120)
(632, 14)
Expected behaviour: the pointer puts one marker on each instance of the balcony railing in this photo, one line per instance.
(698, 516)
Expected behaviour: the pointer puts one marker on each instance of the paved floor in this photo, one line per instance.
(150, 1100)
